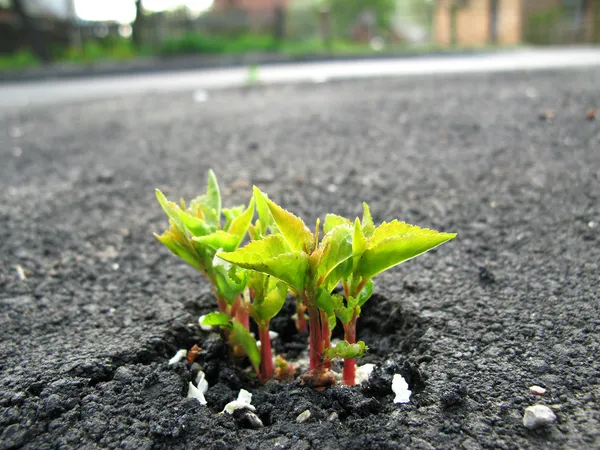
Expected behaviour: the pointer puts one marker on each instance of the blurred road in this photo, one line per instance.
(17, 95)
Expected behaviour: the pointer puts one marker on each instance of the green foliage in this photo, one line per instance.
(346, 350)
(194, 42)
(345, 13)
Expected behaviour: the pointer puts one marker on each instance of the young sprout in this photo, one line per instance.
(374, 250)
(202, 229)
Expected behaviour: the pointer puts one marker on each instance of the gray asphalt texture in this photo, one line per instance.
(512, 302)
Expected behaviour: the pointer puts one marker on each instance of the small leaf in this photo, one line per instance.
(272, 256)
(229, 283)
(239, 335)
(239, 226)
(219, 239)
(265, 220)
(179, 250)
(339, 244)
(326, 302)
(343, 312)
(195, 225)
(345, 350)
(292, 228)
(173, 211)
(270, 304)
(367, 222)
(217, 319)
(365, 293)
(213, 194)
(359, 243)
(332, 221)
(232, 213)
(395, 242)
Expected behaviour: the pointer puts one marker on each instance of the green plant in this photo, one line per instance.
(350, 253)
(284, 254)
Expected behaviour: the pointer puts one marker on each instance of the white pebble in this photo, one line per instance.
(537, 416)
(181, 354)
(537, 390)
(201, 382)
(303, 416)
(204, 327)
(194, 392)
(364, 372)
(243, 401)
(400, 388)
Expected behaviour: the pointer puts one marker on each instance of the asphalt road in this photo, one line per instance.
(16, 95)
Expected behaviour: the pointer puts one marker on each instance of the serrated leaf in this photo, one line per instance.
(239, 226)
(359, 243)
(339, 244)
(395, 242)
(217, 319)
(292, 228)
(173, 211)
(229, 283)
(179, 250)
(365, 293)
(367, 222)
(272, 256)
(333, 220)
(239, 335)
(345, 312)
(345, 350)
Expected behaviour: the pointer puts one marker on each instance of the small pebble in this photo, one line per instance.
(537, 416)
(303, 416)
(181, 354)
(590, 114)
(537, 390)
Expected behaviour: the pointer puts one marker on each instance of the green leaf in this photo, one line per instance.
(229, 282)
(219, 239)
(292, 228)
(359, 243)
(217, 319)
(332, 221)
(345, 312)
(213, 194)
(173, 211)
(265, 220)
(365, 293)
(272, 256)
(232, 213)
(395, 242)
(345, 350)
(270, 304)
(195, 225)
(239, 335)
(339, 249)
(367, 222)
(326, 302)
(239, 226)
(177, 249)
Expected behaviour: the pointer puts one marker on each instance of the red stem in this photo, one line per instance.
(240, 312)
(266, 355)
(301, 324)
(325, 337)
(316, 343)
(348, 375)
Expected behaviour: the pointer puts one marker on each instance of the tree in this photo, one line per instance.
(345, 13)
(33, 34)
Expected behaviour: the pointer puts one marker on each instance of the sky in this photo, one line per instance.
(109, 10)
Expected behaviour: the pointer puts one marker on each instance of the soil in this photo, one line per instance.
(88, 326)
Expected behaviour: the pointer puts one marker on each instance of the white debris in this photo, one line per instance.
(20, 272)
(181, 354)
(537, 416)
(364, 372)
(194, 392)
(273, 335)
(243, 401)
(220, 262)
(201, 382)
(537, 390)
(204, 327)
(303, 416)
(200, 96)
(400, 388)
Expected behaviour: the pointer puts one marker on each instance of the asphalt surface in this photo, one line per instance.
(92, 308)
(14, 95)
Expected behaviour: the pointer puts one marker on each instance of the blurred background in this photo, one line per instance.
(36, 32)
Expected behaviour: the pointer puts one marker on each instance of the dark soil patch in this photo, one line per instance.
(513, 302)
